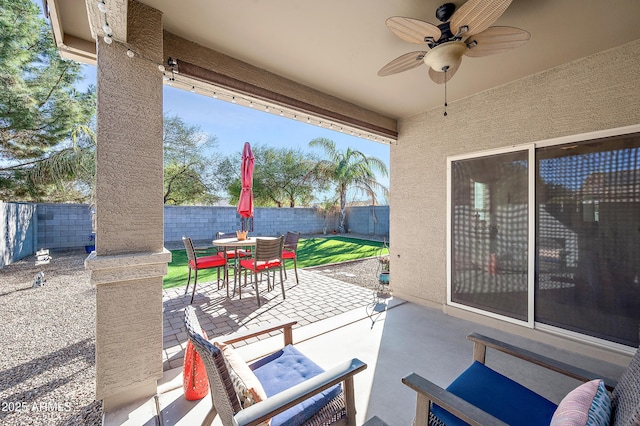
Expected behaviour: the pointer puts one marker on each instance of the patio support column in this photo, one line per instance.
(130, 260)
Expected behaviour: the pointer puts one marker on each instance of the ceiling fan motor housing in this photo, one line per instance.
(444, 12)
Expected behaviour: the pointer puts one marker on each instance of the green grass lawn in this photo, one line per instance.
(311, 252)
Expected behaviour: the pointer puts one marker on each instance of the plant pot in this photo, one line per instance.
(89, 249)
(241, 235)
(384, 277)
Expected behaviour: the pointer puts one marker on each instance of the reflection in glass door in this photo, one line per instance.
(489, 217)
(588, 238)
(574, 268)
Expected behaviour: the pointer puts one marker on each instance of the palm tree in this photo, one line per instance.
(349, 170)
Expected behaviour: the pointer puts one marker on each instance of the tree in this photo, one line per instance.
(349, 170)
(281, 177)
(66, 173)
(189, 176)
(45, 139)
(39, 105)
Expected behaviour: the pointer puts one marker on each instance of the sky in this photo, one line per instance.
(234, 124)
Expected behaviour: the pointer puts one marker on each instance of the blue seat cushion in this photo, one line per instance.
(284, 369)
(499, 396)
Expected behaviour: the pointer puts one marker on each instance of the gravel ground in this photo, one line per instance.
(47, 366)
(359, 272)
(47, 354)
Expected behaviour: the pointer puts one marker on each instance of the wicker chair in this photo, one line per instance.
(290, 251)
(197, 263)
(324, 399)
(437, 406)
(267, 257)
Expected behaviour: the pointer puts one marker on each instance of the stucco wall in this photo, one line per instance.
(599, 92)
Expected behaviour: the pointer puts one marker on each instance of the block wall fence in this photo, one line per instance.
(27, 227)
(18, 236)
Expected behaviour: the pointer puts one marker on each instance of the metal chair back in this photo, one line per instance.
(291, 241)
(191, 252)
(268, 249)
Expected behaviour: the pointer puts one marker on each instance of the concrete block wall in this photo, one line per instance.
(202, 223)
(17, 231)
(62, 226)
(29, 227)
(198, 222)
(368, 220)
(275, 221)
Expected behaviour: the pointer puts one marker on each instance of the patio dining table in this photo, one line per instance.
(235, 244)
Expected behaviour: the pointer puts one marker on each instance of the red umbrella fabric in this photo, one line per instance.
(245, 202)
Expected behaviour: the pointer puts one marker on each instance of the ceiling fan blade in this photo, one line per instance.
(403, 63)
(478, 15)
(412, 30)
(495, 40)
(440, 77)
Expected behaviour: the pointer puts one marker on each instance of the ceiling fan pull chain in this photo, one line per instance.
(445, 92)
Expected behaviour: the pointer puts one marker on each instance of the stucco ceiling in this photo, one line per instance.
(337, 46)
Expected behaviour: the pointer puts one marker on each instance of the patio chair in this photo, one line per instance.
(290, 250)
(292, 389)
(481, 396)
(267, 257)
(196, 263)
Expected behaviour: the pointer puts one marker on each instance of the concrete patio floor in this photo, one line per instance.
(317, 297)
(393, 337)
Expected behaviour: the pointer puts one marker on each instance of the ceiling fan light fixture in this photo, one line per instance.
(466, 30)
(445, 56)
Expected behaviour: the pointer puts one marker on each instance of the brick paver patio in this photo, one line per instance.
(316, 298)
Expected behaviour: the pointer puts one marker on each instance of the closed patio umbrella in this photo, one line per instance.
(245, 202)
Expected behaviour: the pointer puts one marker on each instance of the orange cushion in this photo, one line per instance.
(248, 264)
(208, 262)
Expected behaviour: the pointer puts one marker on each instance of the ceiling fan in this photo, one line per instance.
(465, 31)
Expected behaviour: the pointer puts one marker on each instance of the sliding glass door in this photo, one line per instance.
(575, 265)
(588, 238)
(490, 233)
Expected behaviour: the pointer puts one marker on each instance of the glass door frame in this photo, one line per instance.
(531, 147)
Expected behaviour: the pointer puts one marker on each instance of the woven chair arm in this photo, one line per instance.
(285, 325)
(482, 342)
(286, 399)
(430, 392)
